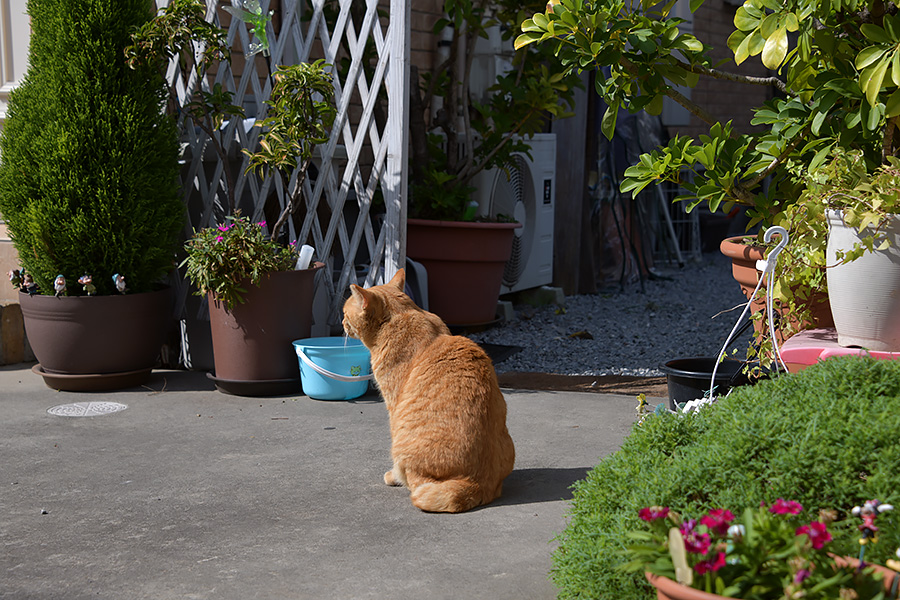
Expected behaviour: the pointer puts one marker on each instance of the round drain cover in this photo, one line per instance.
(86, 409)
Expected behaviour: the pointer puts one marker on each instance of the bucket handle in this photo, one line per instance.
(329, 374)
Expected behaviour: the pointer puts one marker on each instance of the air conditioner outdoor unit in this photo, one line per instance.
(526, 191)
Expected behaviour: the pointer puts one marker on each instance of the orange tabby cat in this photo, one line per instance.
(449, 440)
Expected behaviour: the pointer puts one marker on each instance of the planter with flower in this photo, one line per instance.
(258, 304)
(259, 290)
(89, 192)
(832, 66)
(455, 134)
(767, 552)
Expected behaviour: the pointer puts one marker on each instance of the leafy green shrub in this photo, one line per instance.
(89, 168)
(826, 437)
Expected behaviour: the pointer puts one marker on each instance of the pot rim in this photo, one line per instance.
(673, 589)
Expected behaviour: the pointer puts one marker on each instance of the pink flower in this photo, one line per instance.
(817, 532)
(224, 228)
(801, 575)
(694, 542)
(653, 513)
(262, 223)
(219, 238)
(714, 564)
(786, 507)
(717, 520)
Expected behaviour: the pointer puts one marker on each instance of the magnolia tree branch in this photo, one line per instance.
(716, 74)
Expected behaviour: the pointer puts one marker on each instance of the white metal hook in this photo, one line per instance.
(773, 255)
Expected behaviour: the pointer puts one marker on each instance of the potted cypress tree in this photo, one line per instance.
(89, 187)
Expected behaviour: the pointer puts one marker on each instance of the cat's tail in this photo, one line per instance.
(451, 495)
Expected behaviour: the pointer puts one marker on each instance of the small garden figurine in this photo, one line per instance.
(59, 286)
(119, 281)
(88, 282)
(867, 512)
(28, 284)
(15, 278)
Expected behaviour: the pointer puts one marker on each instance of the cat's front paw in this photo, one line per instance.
(390, 479)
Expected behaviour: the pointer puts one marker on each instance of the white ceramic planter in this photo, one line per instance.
(864, 293)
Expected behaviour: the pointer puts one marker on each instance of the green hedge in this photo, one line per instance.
(828, 437)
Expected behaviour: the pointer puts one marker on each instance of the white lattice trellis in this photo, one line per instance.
(364, 159)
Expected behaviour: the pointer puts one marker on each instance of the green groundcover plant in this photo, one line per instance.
(826, 438)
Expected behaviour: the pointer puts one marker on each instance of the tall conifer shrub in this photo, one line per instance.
(88, 160)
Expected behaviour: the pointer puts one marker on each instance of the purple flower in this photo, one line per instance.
(653, 513)
(786, 507)
(817, 533)
(717, 520)
(801, 576)
(694, 542)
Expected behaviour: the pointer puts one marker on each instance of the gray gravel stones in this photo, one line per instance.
(628, 332)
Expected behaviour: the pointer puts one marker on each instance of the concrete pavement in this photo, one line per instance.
(190, 493)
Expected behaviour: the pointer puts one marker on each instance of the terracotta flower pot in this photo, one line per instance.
(465, 263)
(252, 348)
(93, 343)
(666, 589)
(743, 257)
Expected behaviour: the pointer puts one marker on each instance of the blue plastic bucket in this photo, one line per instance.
(333, 368)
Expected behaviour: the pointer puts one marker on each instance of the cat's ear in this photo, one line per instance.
(360, 293)
(399, 280)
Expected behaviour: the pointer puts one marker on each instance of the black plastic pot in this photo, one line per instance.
(689, 378)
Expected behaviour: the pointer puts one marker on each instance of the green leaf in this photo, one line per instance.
(895, 68)
(757, 43)
(769, 25)
(869, 55)
(892, 106)
(791, 22)
(608, 124)
(817, 122)
(871, 80)
(695, 4)
(734, 42)
(742, 52)
(875, 33)
(525, 39)
(775, 49)
(819, 158)
(892, 26)
(744, 21)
